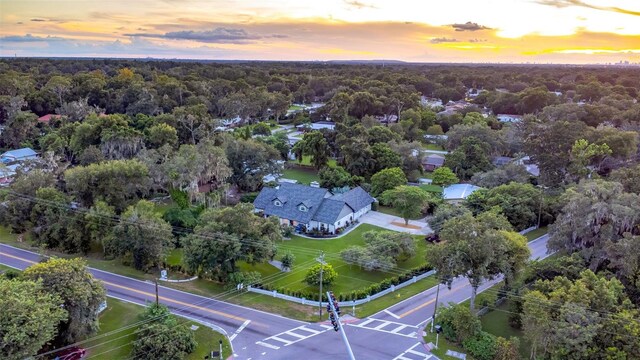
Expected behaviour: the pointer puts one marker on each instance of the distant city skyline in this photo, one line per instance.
(495, 31)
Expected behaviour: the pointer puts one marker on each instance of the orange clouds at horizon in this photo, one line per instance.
(551, 30)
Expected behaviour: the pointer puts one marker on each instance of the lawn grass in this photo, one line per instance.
(393, 211)
(306, 161)
(303, 175)
(443, 346)
(350, 277)
(295, 107)
(532, 235)
(346, 275)
(372, 307)
(496, 322)
(434, 147)
(163, 206)
(119, 314)
(431, 188)
(175, 257)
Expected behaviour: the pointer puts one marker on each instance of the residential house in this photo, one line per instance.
(46, 118)
(531, 167)
(313, 208)
(509, 118)
(501, 160)
(18, 155)
(432, 162)
(458, 192)
(329, 125)
(387, 119)
(430, 102)
(7, 173)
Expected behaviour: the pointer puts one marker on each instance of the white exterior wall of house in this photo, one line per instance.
(361, 212)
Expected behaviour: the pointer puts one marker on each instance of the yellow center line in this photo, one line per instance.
(177, 302)
(151, 294)
(427, 303)
(18, 258)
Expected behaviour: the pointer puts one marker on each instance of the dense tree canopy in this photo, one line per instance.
(80, 293)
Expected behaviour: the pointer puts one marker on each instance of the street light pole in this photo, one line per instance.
(433, 318)
(320, 259)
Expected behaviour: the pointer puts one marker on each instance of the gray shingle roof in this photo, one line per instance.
(320, 207)
(436, 160)
(329, 211)
(295, 194)
(356, 198)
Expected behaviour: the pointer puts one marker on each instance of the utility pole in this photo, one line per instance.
(433, 318)
(320, 259)
(337, 325)
(220, 349)
(157, 297)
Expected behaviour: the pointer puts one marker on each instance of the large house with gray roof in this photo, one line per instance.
(314, 208)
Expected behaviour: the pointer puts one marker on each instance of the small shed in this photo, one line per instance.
(432, 162)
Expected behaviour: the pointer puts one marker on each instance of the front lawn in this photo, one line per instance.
(496, 322)
(350, 277)
(306, 161)
(302, 174)
(434, 147)
(118, 345)
(431, 188)
(443, 346)
(532, 235)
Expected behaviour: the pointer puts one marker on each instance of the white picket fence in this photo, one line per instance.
(304, 301)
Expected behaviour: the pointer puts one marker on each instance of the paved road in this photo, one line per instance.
(393, 333)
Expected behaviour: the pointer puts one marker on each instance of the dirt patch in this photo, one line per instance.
(409, 226)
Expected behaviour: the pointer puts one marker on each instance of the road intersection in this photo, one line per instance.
(393, 333)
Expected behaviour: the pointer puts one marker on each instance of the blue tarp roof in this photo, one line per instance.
(19, 154)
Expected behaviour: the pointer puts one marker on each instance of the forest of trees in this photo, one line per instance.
(129, 132)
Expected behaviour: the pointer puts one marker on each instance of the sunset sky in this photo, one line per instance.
(559, 31)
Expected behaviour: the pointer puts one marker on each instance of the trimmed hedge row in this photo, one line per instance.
(356, 294)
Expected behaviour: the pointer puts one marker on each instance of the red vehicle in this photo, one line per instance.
(73, 353)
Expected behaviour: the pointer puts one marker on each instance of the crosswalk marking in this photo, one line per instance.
(293, 336)
(297, 335)
(411, 353)
(389, 327)
(286, 342)
(380, 326)
(268, 345)
(370, 320)
(309, 330)
(398, 328)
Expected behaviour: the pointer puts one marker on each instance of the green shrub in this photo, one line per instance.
(483, 346)
(248, 197)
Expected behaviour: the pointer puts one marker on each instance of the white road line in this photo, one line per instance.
(244, 325)
(286, 342)
(268, 345)
(392, 314)
(380, 326)
(417, 352)
(290, 333)
(411, 351)
(399, 328)
(309, 330)
(369, 320)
